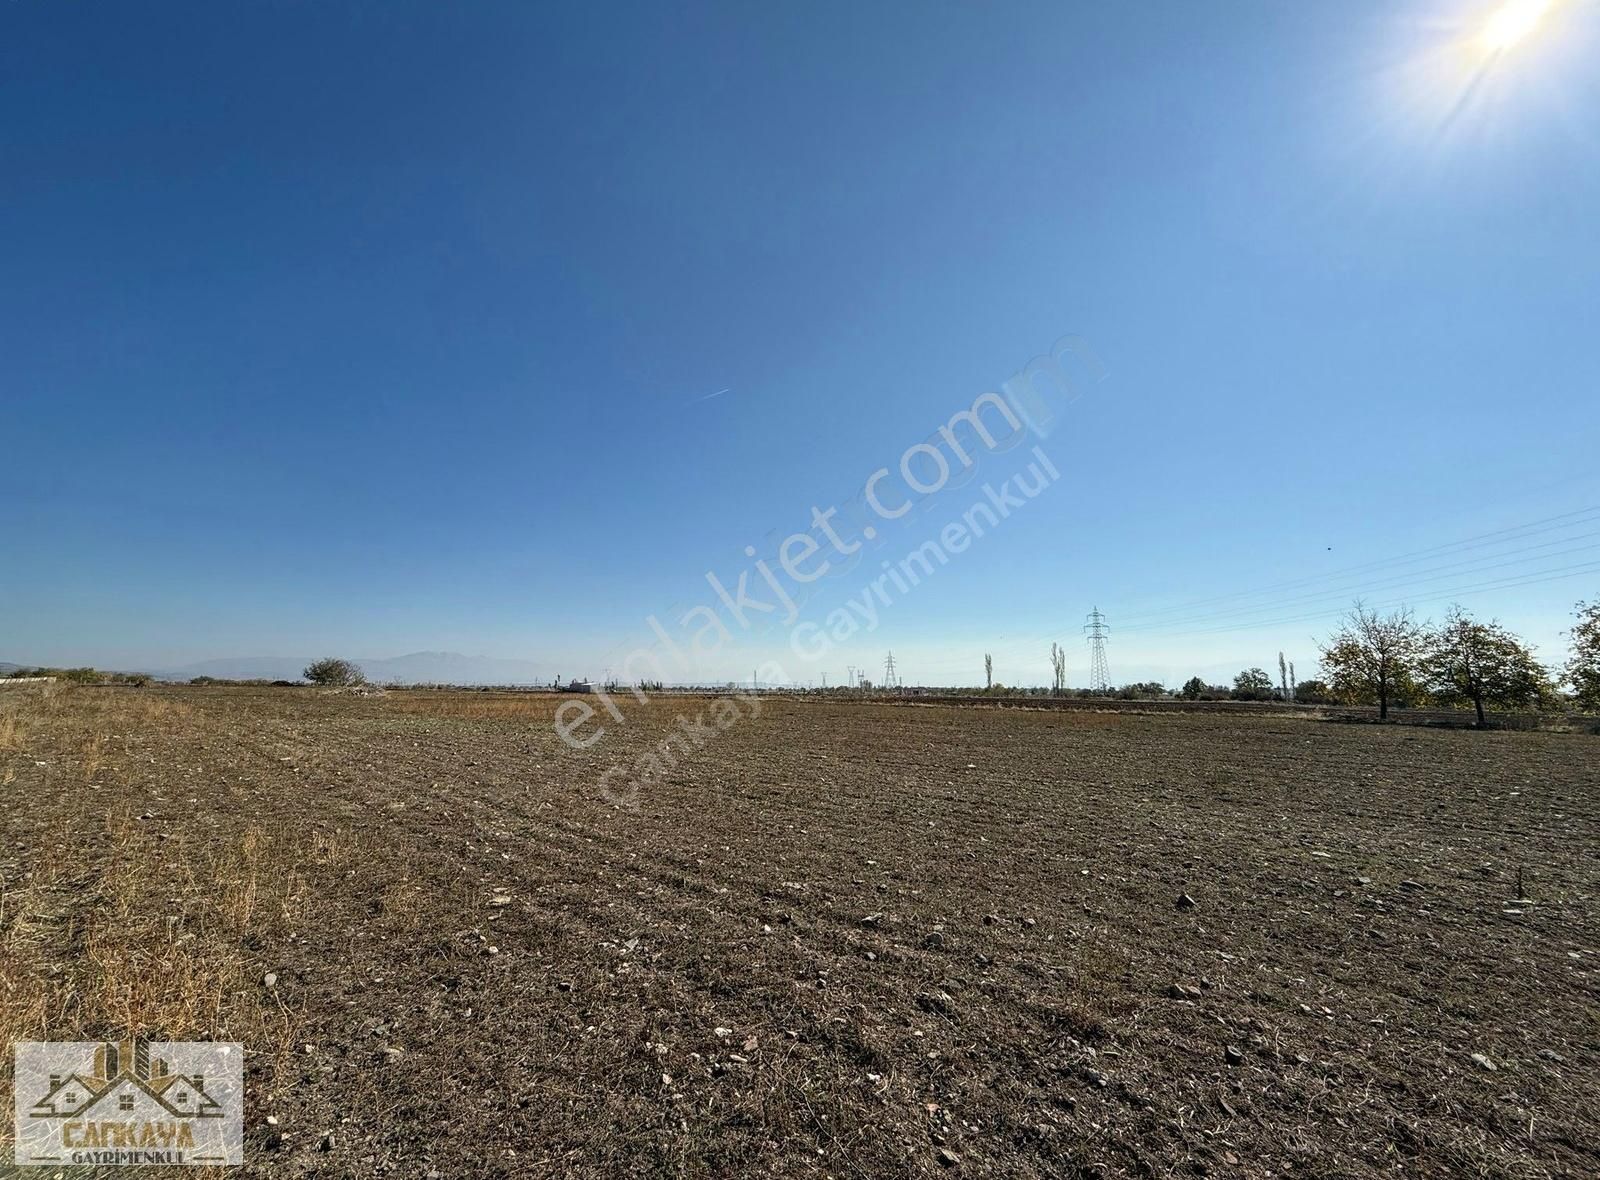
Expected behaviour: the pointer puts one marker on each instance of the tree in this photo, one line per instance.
(1252, 685)
(1373, 656)
(1468, 662)
(1193, 689)
(1313, 692)
(1058, 667)
(1583, 666)
(335, 673)
(988, 672)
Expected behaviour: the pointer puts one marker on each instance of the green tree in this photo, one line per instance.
(1583, 666)
(1313, 692)
(1469, 662)
(1193, 689)
(1253, 684)
(335, 673)
(1374, 656)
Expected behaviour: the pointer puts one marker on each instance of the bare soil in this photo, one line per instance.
(835, 939)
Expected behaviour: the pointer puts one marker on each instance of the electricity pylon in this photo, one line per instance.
(1096, 630)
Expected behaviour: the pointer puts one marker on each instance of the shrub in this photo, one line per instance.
(335, 673)
(1313, 692)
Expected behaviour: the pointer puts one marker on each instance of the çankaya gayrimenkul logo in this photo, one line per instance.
(129, 1103)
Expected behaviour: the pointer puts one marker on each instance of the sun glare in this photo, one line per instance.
(1512, 23)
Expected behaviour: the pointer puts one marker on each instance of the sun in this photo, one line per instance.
(1511, 23)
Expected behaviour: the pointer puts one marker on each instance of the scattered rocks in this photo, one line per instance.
(948, 1158)
(269, 980)
(1483, 1062)
(1185, 902)
(1233, 1055)
(933, 940)
(1184, 991)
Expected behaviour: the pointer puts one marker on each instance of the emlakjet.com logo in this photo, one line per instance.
(137, 1102)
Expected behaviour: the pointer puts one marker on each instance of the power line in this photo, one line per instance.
(1177, 619)
(1189, 612)
(1415, 578)
(1264, 615)
(1533, 578)
(1532, 528)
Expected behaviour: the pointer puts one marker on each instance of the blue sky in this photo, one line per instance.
(370, 329)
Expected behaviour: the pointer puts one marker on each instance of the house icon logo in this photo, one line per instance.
(129, 1103)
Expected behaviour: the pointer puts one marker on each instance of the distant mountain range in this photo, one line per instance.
(422, 667)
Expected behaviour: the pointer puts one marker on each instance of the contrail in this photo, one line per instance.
(709, 396)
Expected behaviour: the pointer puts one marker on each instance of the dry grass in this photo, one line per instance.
(162, 944)
(133, 925)
(92, 756)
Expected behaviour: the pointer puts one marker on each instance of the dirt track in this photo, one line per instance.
(836, 940)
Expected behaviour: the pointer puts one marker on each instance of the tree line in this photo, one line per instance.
(1392, 660)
